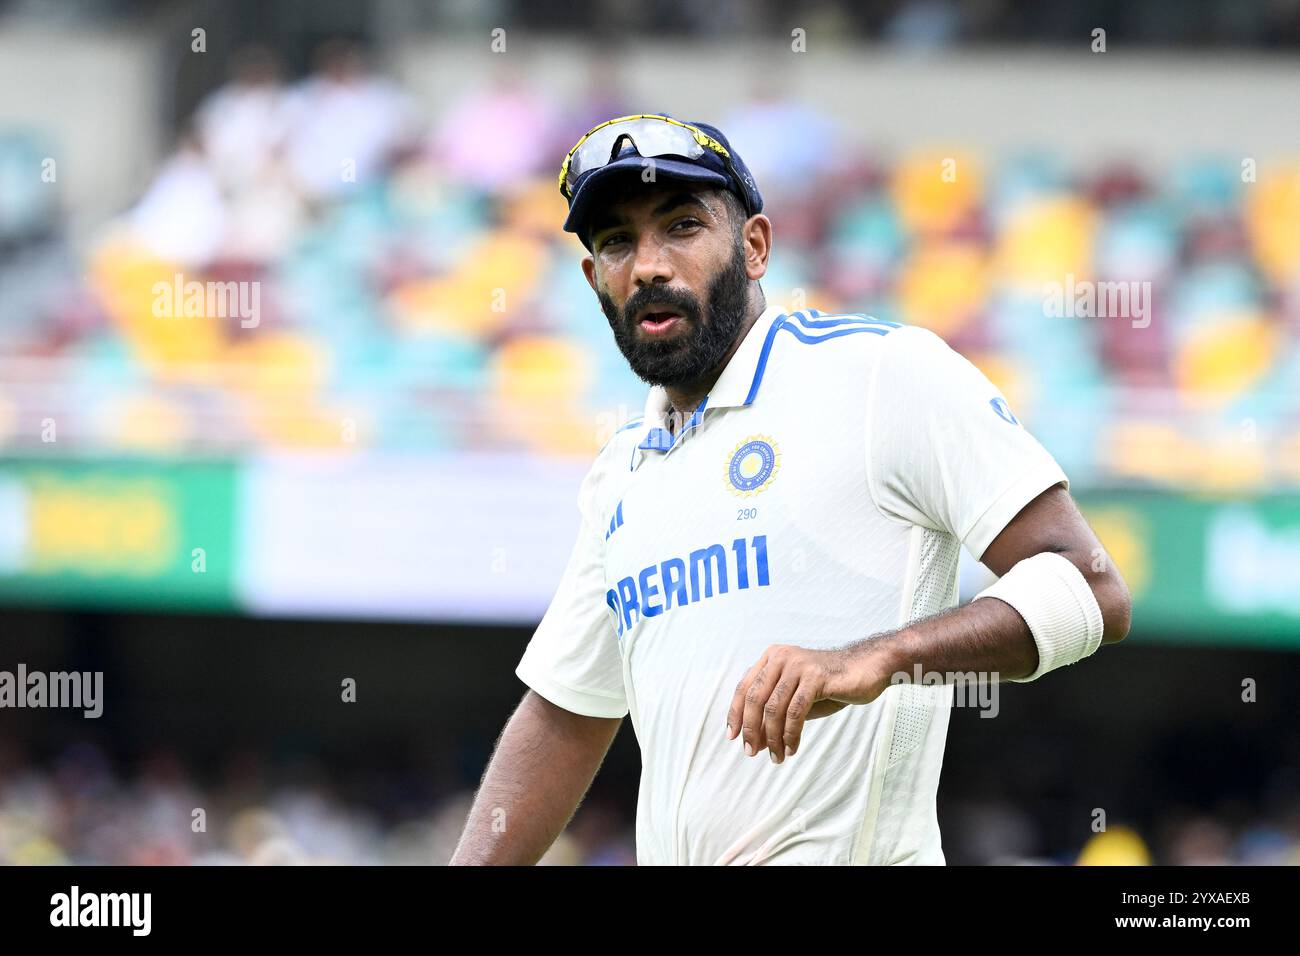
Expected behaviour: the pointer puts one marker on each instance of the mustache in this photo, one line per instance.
(661, 300)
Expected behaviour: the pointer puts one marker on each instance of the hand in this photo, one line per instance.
(789, 685)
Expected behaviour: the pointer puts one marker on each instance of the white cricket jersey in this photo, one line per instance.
(820, 494)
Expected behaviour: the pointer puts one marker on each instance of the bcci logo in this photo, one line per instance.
(753, 465)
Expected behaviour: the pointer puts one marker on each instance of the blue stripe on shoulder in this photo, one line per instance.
(807, 339)
(825, 320)
(843, 325)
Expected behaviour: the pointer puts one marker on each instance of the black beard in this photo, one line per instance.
(690, 357)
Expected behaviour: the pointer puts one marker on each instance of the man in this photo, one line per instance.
(773, 547)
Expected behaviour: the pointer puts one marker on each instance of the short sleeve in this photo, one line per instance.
(944, 449)
(573, 659)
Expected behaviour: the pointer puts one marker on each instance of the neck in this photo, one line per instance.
(686, 397)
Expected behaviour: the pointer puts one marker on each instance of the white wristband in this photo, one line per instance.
(1050, 593)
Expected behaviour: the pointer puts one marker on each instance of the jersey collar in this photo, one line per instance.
(737, 386)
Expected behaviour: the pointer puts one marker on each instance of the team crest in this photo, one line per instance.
(753, 465)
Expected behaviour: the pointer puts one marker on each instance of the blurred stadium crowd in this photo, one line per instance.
(83, 810)
(416, 286)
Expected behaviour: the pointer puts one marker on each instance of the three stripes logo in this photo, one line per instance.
(615, 522)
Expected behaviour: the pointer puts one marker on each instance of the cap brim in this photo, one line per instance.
(665, 168)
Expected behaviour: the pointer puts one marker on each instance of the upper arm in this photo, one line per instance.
(599, 732)
(1052, 522)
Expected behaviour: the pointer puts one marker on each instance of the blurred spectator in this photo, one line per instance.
(242, 124)
(344, 123)
(499, 137)
(182, 216)
(788, 144)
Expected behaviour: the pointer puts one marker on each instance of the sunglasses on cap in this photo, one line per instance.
(652, 135)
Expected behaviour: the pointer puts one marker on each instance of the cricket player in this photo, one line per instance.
(765, 574)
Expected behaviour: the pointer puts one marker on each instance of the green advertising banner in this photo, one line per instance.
(168, 535)
(139, 534)
(1205, 570)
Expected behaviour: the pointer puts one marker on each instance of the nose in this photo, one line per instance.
(651, 267)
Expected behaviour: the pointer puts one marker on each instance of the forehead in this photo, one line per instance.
(631, 201)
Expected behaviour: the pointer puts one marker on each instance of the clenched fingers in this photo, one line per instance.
(775, 698)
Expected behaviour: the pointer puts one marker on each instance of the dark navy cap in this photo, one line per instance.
(709, 169)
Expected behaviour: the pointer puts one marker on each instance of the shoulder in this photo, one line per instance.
(625, 437)
(913, 350)
(829, 349)
(825, 337)
(611, 464)
(814, 324)
(916, 359)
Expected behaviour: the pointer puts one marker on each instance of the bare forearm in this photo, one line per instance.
(543, 764)
(986, 637)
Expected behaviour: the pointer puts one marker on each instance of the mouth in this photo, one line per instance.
(656, 323)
